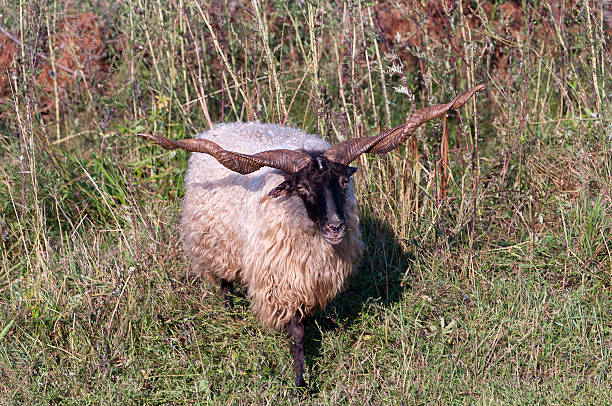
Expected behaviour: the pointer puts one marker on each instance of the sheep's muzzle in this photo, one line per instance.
(333, 232)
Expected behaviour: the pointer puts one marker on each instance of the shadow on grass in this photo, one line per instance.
(378, 279)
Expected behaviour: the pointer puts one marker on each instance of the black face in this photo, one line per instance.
(321, 186)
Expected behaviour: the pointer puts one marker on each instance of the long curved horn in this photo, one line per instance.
(286, 160)
(347, 151)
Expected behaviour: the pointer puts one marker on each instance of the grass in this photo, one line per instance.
(500, 293)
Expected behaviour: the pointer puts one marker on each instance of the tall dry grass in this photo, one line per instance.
(488, 264)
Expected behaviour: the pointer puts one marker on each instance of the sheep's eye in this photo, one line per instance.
(300, 189)
(344, 181)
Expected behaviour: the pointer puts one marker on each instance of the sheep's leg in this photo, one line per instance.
(227, 288)
(295, 328)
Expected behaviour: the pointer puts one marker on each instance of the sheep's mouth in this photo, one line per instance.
(334, 237)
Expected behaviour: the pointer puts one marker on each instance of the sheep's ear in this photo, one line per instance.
(281, 190)
(352, 170)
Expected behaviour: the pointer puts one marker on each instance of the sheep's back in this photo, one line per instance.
(250, 138)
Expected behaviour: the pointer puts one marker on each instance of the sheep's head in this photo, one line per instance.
(321, 185)
(318, 179)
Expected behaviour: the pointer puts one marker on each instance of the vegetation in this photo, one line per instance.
(488, 271)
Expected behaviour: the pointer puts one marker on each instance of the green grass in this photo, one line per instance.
(499, 294)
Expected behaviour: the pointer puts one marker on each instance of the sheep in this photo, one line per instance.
(274, 209)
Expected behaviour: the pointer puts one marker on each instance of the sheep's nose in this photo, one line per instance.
(334, 226)
(333, 231)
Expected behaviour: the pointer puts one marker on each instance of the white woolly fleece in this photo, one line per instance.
(231, 229)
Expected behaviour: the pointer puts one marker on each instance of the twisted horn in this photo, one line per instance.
(286, 160)
(347, 151)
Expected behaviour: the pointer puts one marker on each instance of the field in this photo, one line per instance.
(487, 275)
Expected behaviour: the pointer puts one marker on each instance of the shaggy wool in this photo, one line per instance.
(232, 229)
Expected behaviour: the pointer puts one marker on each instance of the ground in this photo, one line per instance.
(487, 275)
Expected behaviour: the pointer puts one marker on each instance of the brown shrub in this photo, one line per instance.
(80, 60)
(78, 45)
(8, 52)
(413, 23)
